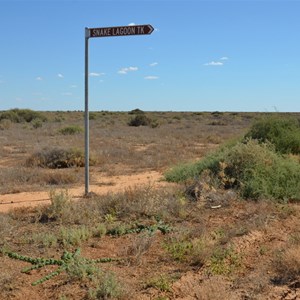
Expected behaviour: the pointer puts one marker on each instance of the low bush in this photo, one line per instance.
(254, 169)
(5, 124)
(22, 115)
(140, 120)
(70, 130)
(194, 251)
(74, 236)
(192, 170)
(282, 132)
(136, 111)
(163, 282)
(37, 123)
(57, 158)
(136, 202)
(107, 286)
(60, 206)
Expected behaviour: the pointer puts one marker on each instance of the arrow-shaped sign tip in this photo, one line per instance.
(151, 29)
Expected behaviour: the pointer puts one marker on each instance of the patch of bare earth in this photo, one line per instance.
(101, 185)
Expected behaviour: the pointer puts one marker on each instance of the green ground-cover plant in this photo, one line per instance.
(283, 132)
(163, 282)
(44, 239)
(74, 236)
(106, 286)
(71, 130)
(224, 261)
(189, 246)
(138, 228)
(70, 262)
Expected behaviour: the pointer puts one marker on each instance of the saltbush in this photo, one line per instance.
(259, 172)
(22, 115)
(252, 168)
(283, 132)
(139, 120)
(136, 111)
(192, 170)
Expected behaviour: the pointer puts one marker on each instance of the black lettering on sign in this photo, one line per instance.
(121, 31)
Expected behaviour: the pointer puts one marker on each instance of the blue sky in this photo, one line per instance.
(203, 55)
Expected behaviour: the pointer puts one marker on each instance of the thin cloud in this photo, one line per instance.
(153, 64)
(131, 24)
(73, 86)
(126, 70)
(151, 77)
(60, 75)
(94, 74)
(67, 94)
(214, 64)
(224, 58)
(39, 78)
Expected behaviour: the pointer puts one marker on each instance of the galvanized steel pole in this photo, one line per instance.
(102, 32)
(86, 115)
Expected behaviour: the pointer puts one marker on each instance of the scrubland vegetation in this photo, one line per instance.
(228, 228)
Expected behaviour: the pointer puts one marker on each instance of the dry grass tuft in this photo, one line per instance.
(216, 288)
(287, 264)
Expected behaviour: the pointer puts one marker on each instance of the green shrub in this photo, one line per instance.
(70, 130)
(258, 172)
(254, 169)
(37, 123)
(10, 115)
(136, 111)
(92, 116)
(22, 115)
(193, 170)
(139, 120)
(283, 132)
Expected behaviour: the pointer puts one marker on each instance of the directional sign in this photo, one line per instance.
(120, 31)
(94, 33)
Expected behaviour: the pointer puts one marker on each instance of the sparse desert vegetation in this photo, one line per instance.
(227, 229)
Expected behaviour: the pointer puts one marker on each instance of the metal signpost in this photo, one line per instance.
(95, 33)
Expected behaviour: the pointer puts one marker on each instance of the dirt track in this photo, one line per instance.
(104, 185)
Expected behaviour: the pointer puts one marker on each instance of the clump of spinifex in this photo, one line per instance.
(67, 263)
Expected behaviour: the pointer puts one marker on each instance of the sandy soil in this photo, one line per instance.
(102, 185)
